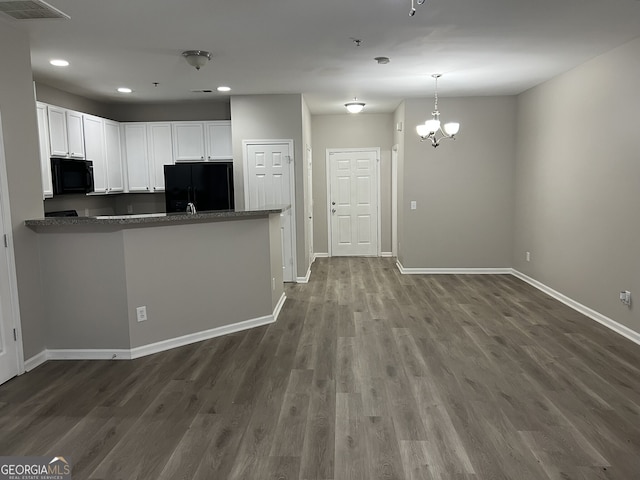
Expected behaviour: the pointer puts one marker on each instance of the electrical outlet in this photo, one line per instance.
(528, 256)
(141, 313)
(414, 204)
(129, 208)
(625, 297)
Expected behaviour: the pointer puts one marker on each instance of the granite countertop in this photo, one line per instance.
(155, 218)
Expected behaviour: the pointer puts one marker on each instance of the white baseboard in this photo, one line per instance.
(305, 279)
(279, 305)
(386, 254)
(452, 271)
(583, 309)
(35, 361)
(163, 345)
(320, 255)
(144, 350)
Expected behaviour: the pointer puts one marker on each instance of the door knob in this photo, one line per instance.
(333, 210)
(333, 203)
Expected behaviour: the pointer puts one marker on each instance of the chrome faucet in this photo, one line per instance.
(191, 208)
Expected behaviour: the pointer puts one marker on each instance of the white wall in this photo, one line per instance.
(578, 182)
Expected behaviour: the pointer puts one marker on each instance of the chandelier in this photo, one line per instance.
(431, 129)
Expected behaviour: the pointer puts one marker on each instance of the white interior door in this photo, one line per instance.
(394, 201)
(353, 202)
(269, 177)
(9, 366)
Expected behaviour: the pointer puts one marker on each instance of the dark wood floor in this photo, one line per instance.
(367, 374)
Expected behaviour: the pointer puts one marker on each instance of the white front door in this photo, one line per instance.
(269, 177)
(353, 202)
(8, 344)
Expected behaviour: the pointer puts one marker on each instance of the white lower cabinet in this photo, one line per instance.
(45, 161)
(160, 153)
(134, 138)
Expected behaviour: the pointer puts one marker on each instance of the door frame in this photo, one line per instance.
(14, 305)
(292, 186)
(328, 175)
(394, 200)
(309, 194)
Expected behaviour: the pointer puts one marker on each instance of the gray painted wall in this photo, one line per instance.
(463, 189)
(399, 139)
(85, 299)
(263, 117)
(54, 96)
(350, 131)
(20, 132)
(196, 277)
(170, 111)
(577, 183)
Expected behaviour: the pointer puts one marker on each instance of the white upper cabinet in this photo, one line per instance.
(113, 155)
(160, 152)
(45, 161)
(188, 141)
(202, 141)
(134, 137)
(218, 140)
(95, 151)
(66, 137)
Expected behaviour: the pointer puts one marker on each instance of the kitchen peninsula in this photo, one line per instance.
(196, 275)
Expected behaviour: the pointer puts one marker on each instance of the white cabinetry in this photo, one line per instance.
(95, 151)
(134, 137)
(218, 140)
(160, 153)
(188, 144)
(66, 138)
(45, 161)
(113, 155)
(202, 141)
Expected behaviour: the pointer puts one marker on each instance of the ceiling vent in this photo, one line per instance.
(202, 90)
(30, 9)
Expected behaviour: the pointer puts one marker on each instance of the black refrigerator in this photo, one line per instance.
(209, 186)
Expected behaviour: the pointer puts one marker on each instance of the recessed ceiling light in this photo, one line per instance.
(124, 90)
(223, 88)
(58, 62)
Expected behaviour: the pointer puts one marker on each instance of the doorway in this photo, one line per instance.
(10, 348)
(353, 205)
(269, 180)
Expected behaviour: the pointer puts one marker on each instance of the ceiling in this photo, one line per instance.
(482, 47)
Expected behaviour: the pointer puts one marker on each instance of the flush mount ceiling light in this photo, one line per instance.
(197, 58)
(355, 106)
(223, 88)
(124, 90)
(58, 62)
(431, 128)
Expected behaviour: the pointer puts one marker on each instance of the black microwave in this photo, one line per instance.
(71, 176)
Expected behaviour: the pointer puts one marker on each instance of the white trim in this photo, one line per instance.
(386, 254)
(157, 347)
(14, 321)
(279, 305)
(89, 354)
(328, 153)
(320, 255)
(452, 271)
(305, 279)
(163, 345)
(35, 361)
(394, 200)
(292, 186)
(583, 309)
